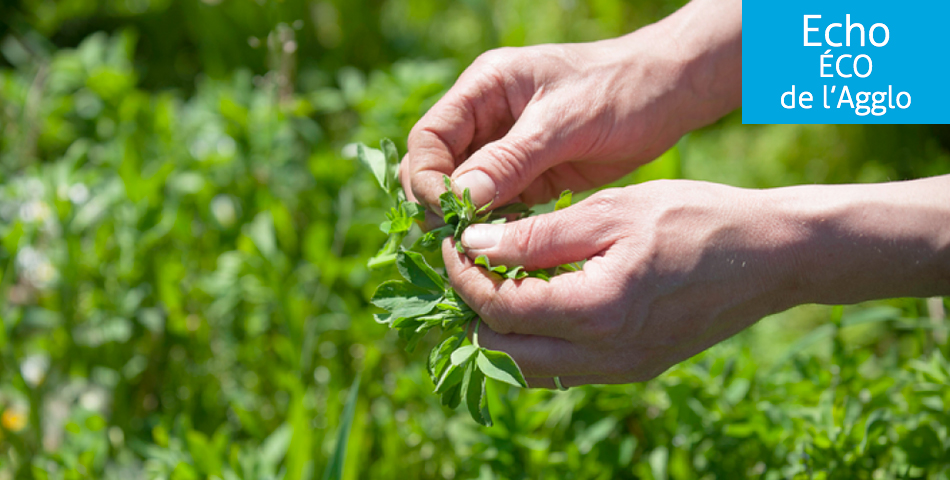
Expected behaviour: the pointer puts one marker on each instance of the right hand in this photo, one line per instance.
(527, 123)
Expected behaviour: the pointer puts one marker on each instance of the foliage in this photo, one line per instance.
(184, 235)
(424, 299)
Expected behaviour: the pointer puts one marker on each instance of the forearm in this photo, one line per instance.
(669, 78)
(864, 242)
(708, 37)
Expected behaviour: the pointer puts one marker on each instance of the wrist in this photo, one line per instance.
(863, 242)
(705, 39)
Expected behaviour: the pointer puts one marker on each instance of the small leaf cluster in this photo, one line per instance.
(384, 164)
(424, 299)
(459, 212)
(459, 372)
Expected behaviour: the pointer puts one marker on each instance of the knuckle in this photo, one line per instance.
(510, 158)
(509, 307)
(605, 328)
(414, 133)
(605, 202)
(496, 58)
(601, 328)
(498, 325)
(523, 235)
(421, 132)
(492, 310)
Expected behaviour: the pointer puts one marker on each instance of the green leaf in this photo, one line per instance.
(463, 354)
(484, 208)
(502, 270)
(412, 210)
(452, 396)
(405, 300)
(274, 447)
(407, 323)
(204, 457)
(875, 419)
(397, 225)
(501, 367)
(483, 261)
(516, 273)
(413, 336)
(392, 164)
(432, 239)
(511, 209)
(376, 161)
(922, 445)
(474, 385)
(414, 268)
(564, 200)
(453, 375)
(451, 207)
(542, 274)
(594, 434)
(439, 356)
(11, 238)
(261, 231)
(426, 242)
(334, 470)
(469, 204)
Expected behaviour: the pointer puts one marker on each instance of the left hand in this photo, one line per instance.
(672, 268)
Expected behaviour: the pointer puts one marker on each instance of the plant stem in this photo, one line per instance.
(478, 322)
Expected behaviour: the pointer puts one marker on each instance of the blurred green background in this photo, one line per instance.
(183, 239)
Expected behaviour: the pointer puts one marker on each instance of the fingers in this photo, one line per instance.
(548, 240)
(531, 305)
(541, 358)
(476, 110)
(537, 356)
(433, 218)
(502, 169)
(493, 133)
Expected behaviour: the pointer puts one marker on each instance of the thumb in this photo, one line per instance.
(545, 241)
(501, 170)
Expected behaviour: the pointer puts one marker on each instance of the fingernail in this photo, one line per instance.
(480, 184)
(482, 237)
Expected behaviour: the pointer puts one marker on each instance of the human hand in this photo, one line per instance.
(676, 266)
(527, 123)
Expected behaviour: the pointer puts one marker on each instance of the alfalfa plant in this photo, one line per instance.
(424, 299)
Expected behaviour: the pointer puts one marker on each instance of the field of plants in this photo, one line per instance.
(184, 291)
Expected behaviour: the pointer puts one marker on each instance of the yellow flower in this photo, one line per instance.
(13, 420)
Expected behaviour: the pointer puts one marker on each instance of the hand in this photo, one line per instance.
(526, 123)
(677, 266)
(674, 267)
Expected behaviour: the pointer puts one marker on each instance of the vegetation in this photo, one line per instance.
(184, 289)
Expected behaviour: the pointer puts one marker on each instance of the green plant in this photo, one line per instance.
(424, 300)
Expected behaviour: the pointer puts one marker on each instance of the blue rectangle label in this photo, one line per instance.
(845, 61)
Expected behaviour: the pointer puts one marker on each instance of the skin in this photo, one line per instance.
(673, 267)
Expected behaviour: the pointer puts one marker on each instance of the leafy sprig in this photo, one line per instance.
(384, 164)
(424, 300)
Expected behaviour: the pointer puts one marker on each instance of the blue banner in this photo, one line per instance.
(845, 61)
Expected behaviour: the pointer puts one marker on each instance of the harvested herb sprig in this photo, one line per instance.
(424, 299)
